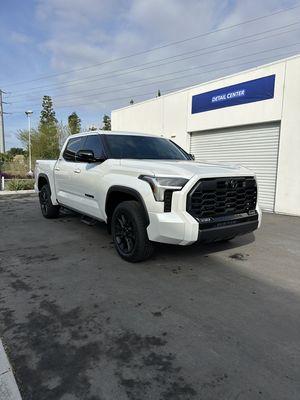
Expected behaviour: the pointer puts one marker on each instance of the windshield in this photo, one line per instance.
(143, 147)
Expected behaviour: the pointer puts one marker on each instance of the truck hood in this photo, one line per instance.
(186, 169)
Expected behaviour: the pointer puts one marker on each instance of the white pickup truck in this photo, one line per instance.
(147, 189)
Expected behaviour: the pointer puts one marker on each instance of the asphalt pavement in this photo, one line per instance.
(211, 322)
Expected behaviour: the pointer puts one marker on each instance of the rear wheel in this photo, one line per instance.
(129, 232)
(47, 208)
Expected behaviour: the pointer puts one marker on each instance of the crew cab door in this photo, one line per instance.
(90, 179)
(65, 174)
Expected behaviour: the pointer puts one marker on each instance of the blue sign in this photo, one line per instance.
(242, 93)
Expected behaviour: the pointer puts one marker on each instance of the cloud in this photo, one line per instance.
(20, 38)
(71, 34)
(83, 33)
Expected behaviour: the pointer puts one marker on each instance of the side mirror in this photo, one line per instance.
(192, 156)
(85, 156)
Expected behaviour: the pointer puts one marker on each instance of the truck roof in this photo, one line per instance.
(101, 132)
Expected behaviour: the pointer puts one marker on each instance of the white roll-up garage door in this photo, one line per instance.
(255, 147)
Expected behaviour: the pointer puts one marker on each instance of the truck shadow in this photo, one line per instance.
(172, 252)
(203, 249)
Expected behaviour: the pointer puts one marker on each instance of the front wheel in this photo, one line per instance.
(47, 208)
(129, 232)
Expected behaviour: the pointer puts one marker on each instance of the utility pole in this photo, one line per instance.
(2, 139)
(29, 113)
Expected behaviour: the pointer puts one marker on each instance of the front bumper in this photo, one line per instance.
(227, 232)
(182, 229)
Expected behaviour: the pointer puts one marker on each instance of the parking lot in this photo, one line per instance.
(203, 322)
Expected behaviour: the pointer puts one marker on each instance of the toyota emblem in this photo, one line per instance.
(233, 184)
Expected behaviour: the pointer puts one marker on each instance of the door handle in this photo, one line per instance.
(57, 169)
(77, 171)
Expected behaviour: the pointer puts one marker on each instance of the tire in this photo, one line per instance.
(129, 232)
(47, 208)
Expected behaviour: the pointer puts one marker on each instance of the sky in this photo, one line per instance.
(93, 56)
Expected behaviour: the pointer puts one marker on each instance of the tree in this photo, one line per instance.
(74, 123)
(47, 117)
(131, 102)
(41, 147)
(36, 146)
(45, 140)
(106, 123)
(158, 93)
(9, 155)
(4, 157)
(48, 137)
(15, 151)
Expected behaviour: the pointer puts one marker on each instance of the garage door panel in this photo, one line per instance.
(255, 147)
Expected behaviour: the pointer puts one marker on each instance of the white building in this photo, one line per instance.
(251, 118)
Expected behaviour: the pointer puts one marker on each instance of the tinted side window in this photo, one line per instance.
(73, 146)
(93, 142)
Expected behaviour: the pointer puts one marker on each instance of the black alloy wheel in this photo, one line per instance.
(129, 231)
(44, 201)
(47, 208)
(125, 235)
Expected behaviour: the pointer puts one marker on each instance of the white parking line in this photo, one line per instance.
(8, 386)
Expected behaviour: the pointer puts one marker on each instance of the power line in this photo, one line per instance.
(123, 71)
(106, 100)
(196, 67)
(151, 93)
(162, 46)
(156, 83)
(143, 79)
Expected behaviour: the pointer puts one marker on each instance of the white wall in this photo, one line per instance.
(288, 176)
(171, 115)
(143, 117)
(175, 118)
(244, 114)
(164, 115)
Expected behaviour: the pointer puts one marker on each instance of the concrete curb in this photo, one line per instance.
(8, 386)
(14, 192)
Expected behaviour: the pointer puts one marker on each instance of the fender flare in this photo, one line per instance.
(134, 193)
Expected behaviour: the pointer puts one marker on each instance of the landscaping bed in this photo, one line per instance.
(15, 182)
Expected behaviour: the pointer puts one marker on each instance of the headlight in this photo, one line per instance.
(159, 184)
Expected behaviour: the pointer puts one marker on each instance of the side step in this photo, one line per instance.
(88, 220)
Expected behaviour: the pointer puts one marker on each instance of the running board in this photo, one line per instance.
(88, 220)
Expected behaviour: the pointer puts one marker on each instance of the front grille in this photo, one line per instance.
(222, 197)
